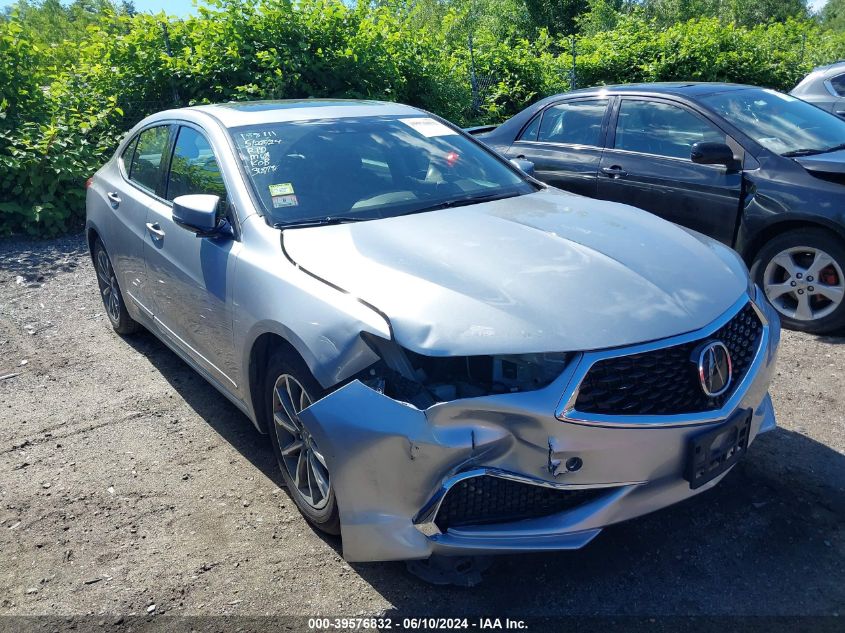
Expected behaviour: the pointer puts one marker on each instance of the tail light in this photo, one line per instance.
(89, 182)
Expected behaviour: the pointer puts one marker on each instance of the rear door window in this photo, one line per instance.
(530, 131)
(146, 166)
(574, 123)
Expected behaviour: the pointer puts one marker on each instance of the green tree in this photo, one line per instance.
(558, 17)
(58, 29)
(602, 15)
(743, 12)
(833, 14)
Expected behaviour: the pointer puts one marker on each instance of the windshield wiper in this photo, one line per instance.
(803, 152)
(835, 148)
(465, 201)
(812, 152)
(326, 221)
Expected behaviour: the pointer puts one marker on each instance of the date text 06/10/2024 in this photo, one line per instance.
(416, 624)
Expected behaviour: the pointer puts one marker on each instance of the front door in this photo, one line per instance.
(189, 276)
(565, 144)
(647, 165)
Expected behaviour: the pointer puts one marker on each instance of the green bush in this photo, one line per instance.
(60, 120)
(43, 167)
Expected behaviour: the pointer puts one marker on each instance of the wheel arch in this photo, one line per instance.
(91, 236)
(263, 347)
(752, 246)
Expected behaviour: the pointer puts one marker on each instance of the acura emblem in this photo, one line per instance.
(715, 369)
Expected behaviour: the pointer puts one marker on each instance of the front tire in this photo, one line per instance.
(110, 293)
(288, 388)
(801, 273)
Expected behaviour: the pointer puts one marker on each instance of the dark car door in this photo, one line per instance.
(190, 276)
(565, 142)
(647, 164)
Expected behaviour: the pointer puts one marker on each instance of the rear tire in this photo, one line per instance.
(802, 273)
(288, 388)
(110, 293)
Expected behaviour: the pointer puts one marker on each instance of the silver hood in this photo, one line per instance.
(549, 271)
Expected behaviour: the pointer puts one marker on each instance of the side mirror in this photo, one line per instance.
(198, 214)
(713, 154)
(525, 165)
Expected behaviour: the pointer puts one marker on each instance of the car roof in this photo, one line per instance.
(240, 113)
(832, 68)
(686, 88)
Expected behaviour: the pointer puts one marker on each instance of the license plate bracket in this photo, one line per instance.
(714, 451)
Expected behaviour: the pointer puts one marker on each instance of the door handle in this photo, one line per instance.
(155, 230)
(114, 199)
(614, 171)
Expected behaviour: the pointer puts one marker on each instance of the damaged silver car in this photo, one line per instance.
(448, 356)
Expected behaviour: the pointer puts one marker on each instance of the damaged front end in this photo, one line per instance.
(424, 380)
(481, 455)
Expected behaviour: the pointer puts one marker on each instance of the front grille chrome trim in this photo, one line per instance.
(566, 411)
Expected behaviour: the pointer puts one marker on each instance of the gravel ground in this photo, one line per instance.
(128, 481)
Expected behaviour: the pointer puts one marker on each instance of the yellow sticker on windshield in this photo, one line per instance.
(283, 189)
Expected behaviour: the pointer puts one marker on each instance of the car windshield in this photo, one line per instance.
(780, 123)
(348, 169)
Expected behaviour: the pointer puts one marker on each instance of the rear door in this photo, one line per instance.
(190, 277)
(647, 164)
(140, 190)
(565, 142)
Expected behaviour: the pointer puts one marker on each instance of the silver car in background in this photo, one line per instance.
(448, 356)
(824, 87)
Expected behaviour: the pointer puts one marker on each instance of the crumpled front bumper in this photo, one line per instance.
(392, 463)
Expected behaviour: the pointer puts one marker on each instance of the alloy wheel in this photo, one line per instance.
(108, 285)
(300, 456)
(804, 283)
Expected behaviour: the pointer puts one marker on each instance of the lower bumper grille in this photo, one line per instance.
(665, 381)
(487, 499)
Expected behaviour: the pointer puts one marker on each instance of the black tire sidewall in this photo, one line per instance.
(125, 323)
(813, 238)
(327, 518)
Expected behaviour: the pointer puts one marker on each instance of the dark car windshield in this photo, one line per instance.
(780, 123)
(364, 168)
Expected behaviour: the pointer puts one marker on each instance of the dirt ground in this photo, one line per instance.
(128, 485)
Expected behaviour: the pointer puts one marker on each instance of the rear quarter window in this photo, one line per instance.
(838, 85)
(126, 156)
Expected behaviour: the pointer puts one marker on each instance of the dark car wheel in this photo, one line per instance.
(110, 292)
(801, 273)
(288, 389)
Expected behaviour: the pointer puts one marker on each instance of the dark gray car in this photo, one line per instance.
(756, 169)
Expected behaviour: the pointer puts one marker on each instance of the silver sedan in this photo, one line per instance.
(448, 356)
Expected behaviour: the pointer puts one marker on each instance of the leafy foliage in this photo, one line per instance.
(67, 95)
(558, 17)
